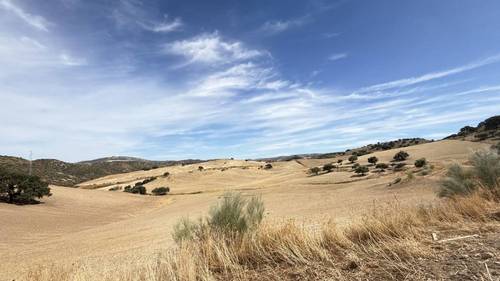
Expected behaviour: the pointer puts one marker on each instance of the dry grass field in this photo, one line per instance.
(105, 228)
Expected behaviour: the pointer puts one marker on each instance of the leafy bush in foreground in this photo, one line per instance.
(160, 191)
(458, 181)
(485, 173)
(22, 189)
(232, 215)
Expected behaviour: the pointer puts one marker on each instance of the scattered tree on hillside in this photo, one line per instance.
(136, 189)
(355, 165)
(361, 170)
(353, 158)
(160, 191)
(328, 167)
(340, 161)
(373, 160)
(166, 174)
(200, 168)
(382, 166)
(268, 166)
(314, 170)
(22, 189)
(401, 156)
(419, 163)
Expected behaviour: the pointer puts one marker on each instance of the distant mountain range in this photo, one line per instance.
(69, 174)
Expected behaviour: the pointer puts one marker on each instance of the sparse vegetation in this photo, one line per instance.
(352, 158)
(382, 166)
(399, 166)
(419, 163)
(401, 156)
(268, 166)
(233, 215)
(22, 189)
(485, 173)
(200, 168)
(166, 174)
(362, 170)
(340, 161)
(115, 188)
(314, 170)
(160, 191)
(136, 189)
(373, 160)
(328, 167)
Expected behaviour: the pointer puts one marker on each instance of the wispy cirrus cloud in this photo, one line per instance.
(209, 48)
(338, 56)
(33, 20)
(432, 76)
(278, 26)
(164, 26)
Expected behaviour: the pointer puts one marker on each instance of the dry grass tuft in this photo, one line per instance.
(388, 241)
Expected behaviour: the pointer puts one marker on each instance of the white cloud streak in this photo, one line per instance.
(35, 21)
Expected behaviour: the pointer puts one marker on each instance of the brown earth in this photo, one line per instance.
(93, 223)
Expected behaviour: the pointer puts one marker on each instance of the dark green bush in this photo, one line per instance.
(352, 158)
(314, 170)
(160, 191)
(419, 163)
(373, 160)
(136, 189)
(22, 189)
(401, 156)
(361, 170)
(166, 174)
(200, 168)
(382, 166)
(328, 167)
(268, 166)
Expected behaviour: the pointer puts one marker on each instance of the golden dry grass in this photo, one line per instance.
(98, 230)
(393, 237)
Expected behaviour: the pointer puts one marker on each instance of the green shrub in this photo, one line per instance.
(373, 160)
(401, 156)
(410, 175)
(382, 166)
(200, 168)
(314, 170)
(486, 168)
(268, 166)
(419, 163)
(160, 191)
(166, 174)
(232, 215)
(136, 189)
(22, 189)
(328, 167)
(399, 166)
(361, 170)
(185, 229)
(355, 166)
(458, 181)
(352, 158)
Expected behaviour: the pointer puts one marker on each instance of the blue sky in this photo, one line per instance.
(211, 79)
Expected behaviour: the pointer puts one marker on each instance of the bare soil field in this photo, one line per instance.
(91, 222)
